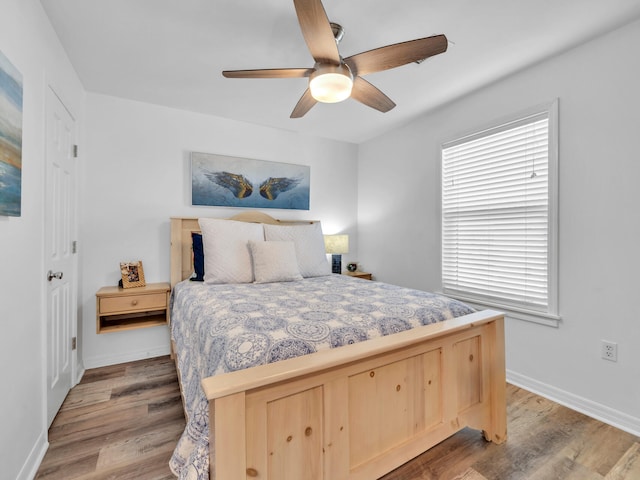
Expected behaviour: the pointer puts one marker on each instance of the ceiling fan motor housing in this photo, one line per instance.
(338, 31)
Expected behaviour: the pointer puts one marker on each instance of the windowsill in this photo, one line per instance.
(540, 318)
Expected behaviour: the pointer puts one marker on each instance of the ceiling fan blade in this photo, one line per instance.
(269, 73)
(371, 96)
(395, 55)
(317, 31)
(304, 105)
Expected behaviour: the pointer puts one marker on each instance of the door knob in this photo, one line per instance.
(51, 275)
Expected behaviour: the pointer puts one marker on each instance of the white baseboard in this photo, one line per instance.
(105, 360)
(31, 465)
(590, 408)
(79, 375)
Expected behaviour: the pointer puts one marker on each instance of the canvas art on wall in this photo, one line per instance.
(10, 139)
(218, 180)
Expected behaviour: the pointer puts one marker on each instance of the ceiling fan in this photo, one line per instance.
(333, 78)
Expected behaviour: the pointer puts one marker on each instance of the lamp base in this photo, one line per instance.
(336, 263)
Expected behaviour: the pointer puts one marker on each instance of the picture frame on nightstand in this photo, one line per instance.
(132, 274)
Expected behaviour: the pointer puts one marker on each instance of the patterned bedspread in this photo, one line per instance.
(223, 328)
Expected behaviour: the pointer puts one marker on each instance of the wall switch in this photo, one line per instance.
(610, 351)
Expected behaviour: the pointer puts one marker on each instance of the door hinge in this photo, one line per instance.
(74, 246)
(74, 343)
(75, 151)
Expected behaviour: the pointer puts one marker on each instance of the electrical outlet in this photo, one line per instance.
(610, 351)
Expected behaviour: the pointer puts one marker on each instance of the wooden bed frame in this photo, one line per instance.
(355, 412)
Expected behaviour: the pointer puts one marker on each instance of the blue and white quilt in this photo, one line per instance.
(223, 328)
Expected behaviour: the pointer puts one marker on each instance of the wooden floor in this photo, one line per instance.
(122, 422)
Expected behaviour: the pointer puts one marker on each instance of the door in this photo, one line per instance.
(60, 260)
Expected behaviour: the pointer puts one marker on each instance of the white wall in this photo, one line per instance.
(28, 41)
(137, 176)
(599, 116)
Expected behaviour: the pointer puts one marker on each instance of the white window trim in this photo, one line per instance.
(552, 316)
(548, 319)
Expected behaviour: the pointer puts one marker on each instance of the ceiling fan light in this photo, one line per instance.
(331, 83)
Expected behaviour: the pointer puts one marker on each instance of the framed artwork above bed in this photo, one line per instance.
(219, 180)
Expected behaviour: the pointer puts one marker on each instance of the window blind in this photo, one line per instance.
(495, 214)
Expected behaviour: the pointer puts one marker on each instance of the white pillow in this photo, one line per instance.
(226, 252)
(309, 245)
(274, 262)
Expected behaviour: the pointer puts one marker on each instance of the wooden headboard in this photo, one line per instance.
(182, 227)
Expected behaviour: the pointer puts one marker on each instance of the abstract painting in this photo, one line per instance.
(10, 139)
(218, 180)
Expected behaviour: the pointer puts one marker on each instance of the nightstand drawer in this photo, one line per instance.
(133, 302)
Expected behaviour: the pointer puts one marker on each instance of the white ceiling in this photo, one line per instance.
(172, 52)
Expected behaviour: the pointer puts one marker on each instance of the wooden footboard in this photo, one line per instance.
(358, 412)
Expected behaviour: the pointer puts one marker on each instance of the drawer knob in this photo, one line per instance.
(134, 302)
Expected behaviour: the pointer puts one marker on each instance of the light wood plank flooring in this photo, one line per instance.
(122, 422)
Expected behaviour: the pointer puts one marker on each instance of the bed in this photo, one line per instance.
(429, 367)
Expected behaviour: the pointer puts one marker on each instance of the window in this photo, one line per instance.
(499, 214)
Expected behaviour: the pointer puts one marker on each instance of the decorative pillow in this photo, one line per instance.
(198, 257)
(274, 262)
(226, 251)
(309, 246)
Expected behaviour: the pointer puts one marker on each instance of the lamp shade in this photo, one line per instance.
(331, 83)
(336, 244)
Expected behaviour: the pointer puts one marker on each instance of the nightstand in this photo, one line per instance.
(365, 275)
(129, 308)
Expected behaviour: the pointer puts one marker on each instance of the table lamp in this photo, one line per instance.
(336, 245)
